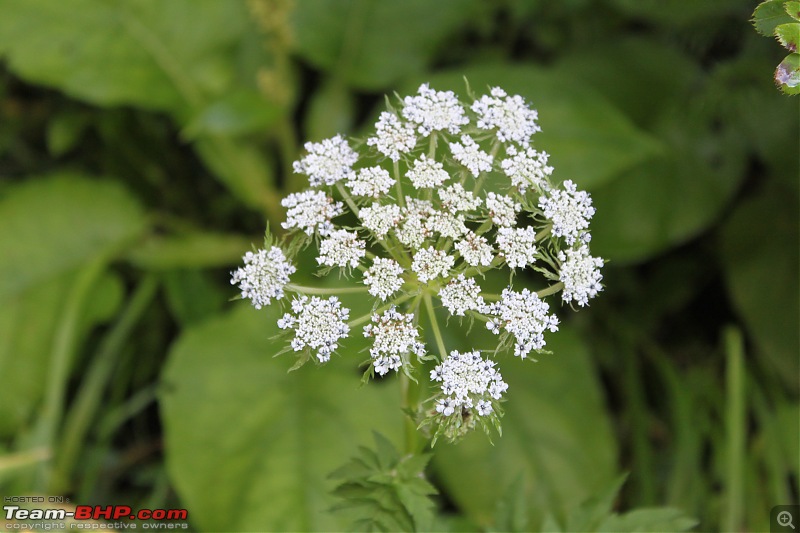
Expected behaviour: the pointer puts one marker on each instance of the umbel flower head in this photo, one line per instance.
(406, 216)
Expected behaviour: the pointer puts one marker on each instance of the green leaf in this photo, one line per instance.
(793, 9)
(64, 131)
(51, 225)
(787, 75)
(368, 43)
(759, 249)
(769, 15)
(391, 494)
(236, 421)
(788, 35)
(588, 139)
(678, 12)
(649, 519)
(143, 52)
(238, 113)
(556, 434)
(192, 296)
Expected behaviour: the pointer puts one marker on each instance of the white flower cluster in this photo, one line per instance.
(580, 274)
(263, 277)
(570, 210)
(523, 315)
(310, 211)
(460, 295)
(341, 248)
(442, 192)
(468, 382)
(327, 162)
(318, 324)
(395, 336)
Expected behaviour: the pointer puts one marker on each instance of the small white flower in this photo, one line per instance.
(392, 136)
(383, 277)
(446, 224)
(517, 245)
(341, 248)
(469, 154)
(475, 250)
(570, 210)
(413, 230)
(460, 295)
(456, 199)
(468, 380)
(395, 336)
(309, 211)
(263, 277)
(527, 168)
(371, 181)
(430, 263)
(580, 273)
(523, 315)
(327, 162)
(318, 324)
(502, 209)
(427, 173)
(379, 219)
(510, 115)
(434, 111)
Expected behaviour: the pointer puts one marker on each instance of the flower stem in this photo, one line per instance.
(552, 289)
(325, 290)
(360, 320)
(437, 333)
(409, 391)
(347, 198)
(401, 199)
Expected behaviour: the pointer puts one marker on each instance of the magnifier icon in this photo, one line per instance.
(785, 519)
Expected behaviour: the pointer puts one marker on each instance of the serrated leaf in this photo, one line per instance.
(788, 35)
(53, 224)
(793, 9)
(236, 421)
(787, 75)
(768, 15)
(646, 520)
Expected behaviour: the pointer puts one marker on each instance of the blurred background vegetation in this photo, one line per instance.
(144, 144)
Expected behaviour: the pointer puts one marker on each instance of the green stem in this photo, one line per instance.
(410, 391)
(325, 291)
(84, 409)
(437, 333)
(360, 320)
(552, 289)
(544, 233)
(64, 346)
(347, 198)
(398, 186)
(735, 422)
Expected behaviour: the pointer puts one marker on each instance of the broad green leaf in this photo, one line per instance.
(768, 15)
(177, 57)
(793, 9)
(372, 44)
(760, 259)
(147, 53)
(588, 139)
(556, 433)
(620, 69)
(53, 224)
(239, 113)
(192, 296)
(789, 35)
(264, 439)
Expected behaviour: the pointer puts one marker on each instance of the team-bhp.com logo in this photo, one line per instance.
(114, 513)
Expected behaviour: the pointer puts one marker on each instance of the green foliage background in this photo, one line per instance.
(144, 143)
